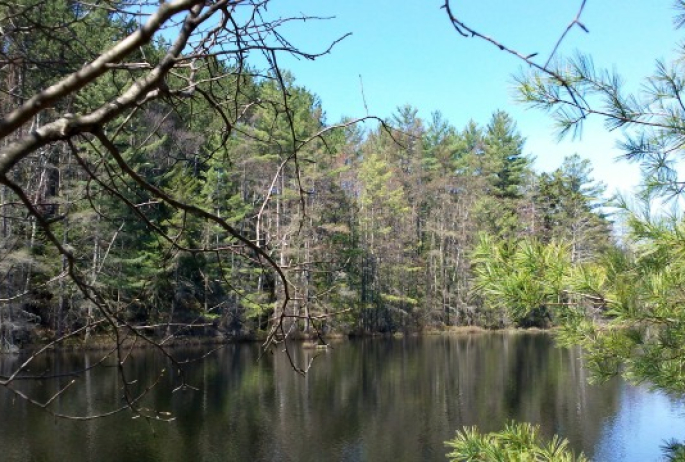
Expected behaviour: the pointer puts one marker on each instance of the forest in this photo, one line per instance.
(158, 182)
(376, 227)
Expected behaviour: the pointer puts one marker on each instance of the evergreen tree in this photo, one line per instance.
(569, 205)
(496, 156)
(505, 164)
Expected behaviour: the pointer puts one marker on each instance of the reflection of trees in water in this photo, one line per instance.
(403, 398)
(375, 399)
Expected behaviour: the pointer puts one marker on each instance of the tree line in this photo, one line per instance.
(372, 228)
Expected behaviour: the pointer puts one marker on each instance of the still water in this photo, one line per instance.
(367, 400)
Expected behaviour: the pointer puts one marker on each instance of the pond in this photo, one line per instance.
(365, 400)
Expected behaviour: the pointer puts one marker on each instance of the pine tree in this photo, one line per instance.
(569, 207)
(505, 164)
(496, 158)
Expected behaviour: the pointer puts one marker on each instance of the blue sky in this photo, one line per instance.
(407, 53)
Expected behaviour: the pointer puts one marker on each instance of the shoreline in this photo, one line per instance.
(105, 342)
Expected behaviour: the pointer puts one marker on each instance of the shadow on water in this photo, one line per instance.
(364, 400)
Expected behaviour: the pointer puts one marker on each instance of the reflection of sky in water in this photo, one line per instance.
(643, 422)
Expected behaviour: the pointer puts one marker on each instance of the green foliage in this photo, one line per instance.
(644, 329)
(639, 327)
(626, 311)
(674, 451)
(518, 441)
(504, 164)
(568, 203)
(525, 279)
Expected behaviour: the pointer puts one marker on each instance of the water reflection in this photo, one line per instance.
(369, 400)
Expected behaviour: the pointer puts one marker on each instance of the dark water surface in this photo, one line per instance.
(370, 400)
